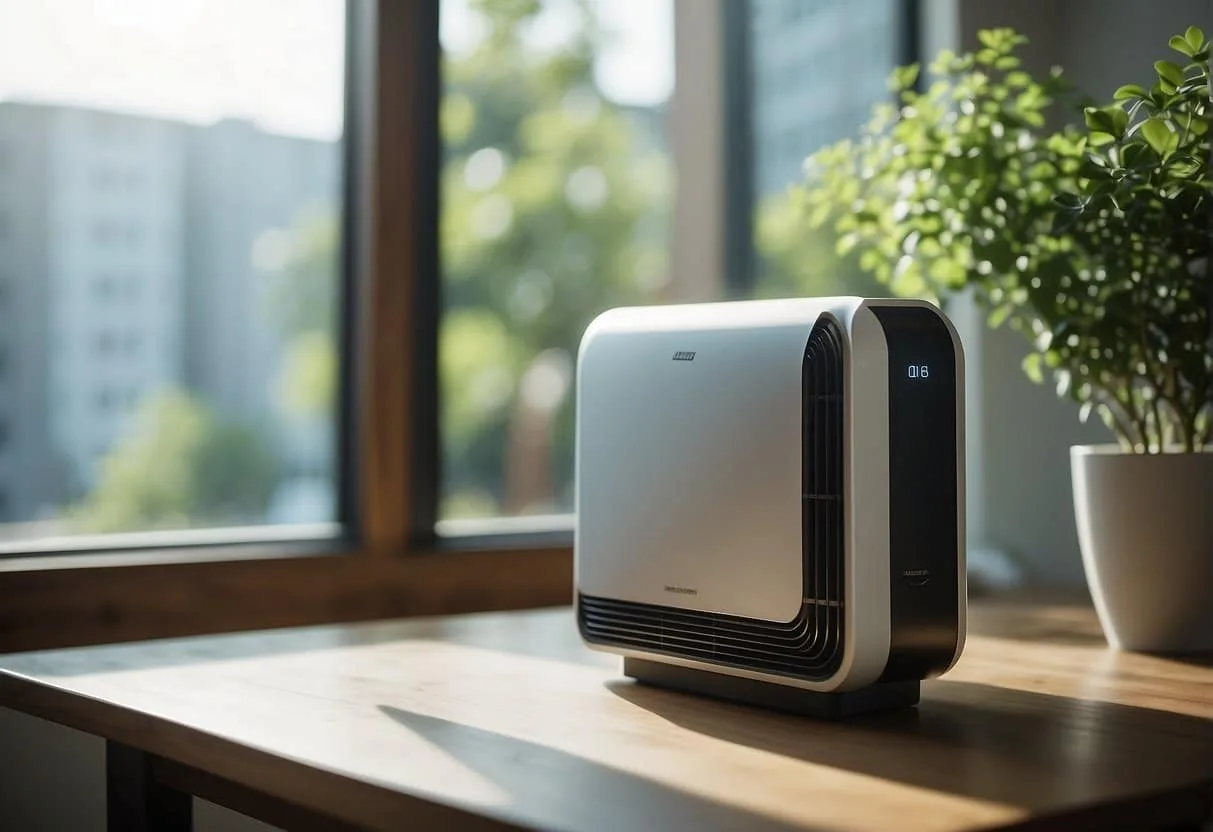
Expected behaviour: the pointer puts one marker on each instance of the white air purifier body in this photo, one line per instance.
(773, 490)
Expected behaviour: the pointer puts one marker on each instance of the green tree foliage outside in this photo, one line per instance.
(555, 207)
(179, 467)
(301, 306)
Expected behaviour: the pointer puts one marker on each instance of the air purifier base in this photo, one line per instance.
(878, 697)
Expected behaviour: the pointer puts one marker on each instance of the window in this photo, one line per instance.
(559, 195)
(303, 358)
(233, 129)
(826, 99)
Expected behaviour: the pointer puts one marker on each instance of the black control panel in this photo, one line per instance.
(923, 499)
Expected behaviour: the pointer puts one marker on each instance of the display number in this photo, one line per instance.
(918, 371)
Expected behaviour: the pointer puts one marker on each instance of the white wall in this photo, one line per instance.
(1115, 42)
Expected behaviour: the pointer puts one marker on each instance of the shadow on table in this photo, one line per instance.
(572, 790)
(988, 743)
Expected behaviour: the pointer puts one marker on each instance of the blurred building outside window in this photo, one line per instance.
(169, 200)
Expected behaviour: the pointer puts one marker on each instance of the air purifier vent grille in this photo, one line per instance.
(810, 645)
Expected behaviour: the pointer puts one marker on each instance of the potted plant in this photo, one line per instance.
(1095, 244)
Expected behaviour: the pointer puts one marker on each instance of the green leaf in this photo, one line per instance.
(1098, 119)
(904, 77)
(1195, 38)
(1135, 154)
(999, 316)
(1185, 168)
(1172, 143)
(986, 57)
(1063, 382)
(1067, 200)
(870, 260)
(1131, 91)
(1032, 368)
(1169, 71)
(820, 214)
(1157, 134)
(1120, 120)
(1181, 45)
(1094, 167)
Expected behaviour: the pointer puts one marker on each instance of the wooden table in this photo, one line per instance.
(505, 720)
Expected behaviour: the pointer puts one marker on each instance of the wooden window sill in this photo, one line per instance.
(57, 601)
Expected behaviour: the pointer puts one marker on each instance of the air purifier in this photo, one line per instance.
(770, 498)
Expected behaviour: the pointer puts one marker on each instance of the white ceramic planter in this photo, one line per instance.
(1145, 524)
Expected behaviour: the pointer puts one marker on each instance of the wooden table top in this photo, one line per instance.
(506, 719)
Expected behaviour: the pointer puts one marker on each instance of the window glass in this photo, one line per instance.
(811, 87)
(170, 202)
(559, 197)
(557, 192)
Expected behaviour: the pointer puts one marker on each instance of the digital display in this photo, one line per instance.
(923, 485)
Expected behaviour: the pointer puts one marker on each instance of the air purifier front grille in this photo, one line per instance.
(810, 645)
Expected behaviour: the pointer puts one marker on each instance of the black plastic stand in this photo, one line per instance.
(878, 697)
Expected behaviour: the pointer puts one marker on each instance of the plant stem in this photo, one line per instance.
(1140, 420)
(1124, 432)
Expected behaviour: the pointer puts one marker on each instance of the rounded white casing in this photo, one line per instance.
(688, 458)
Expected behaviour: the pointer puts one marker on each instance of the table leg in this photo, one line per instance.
(135, 802)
